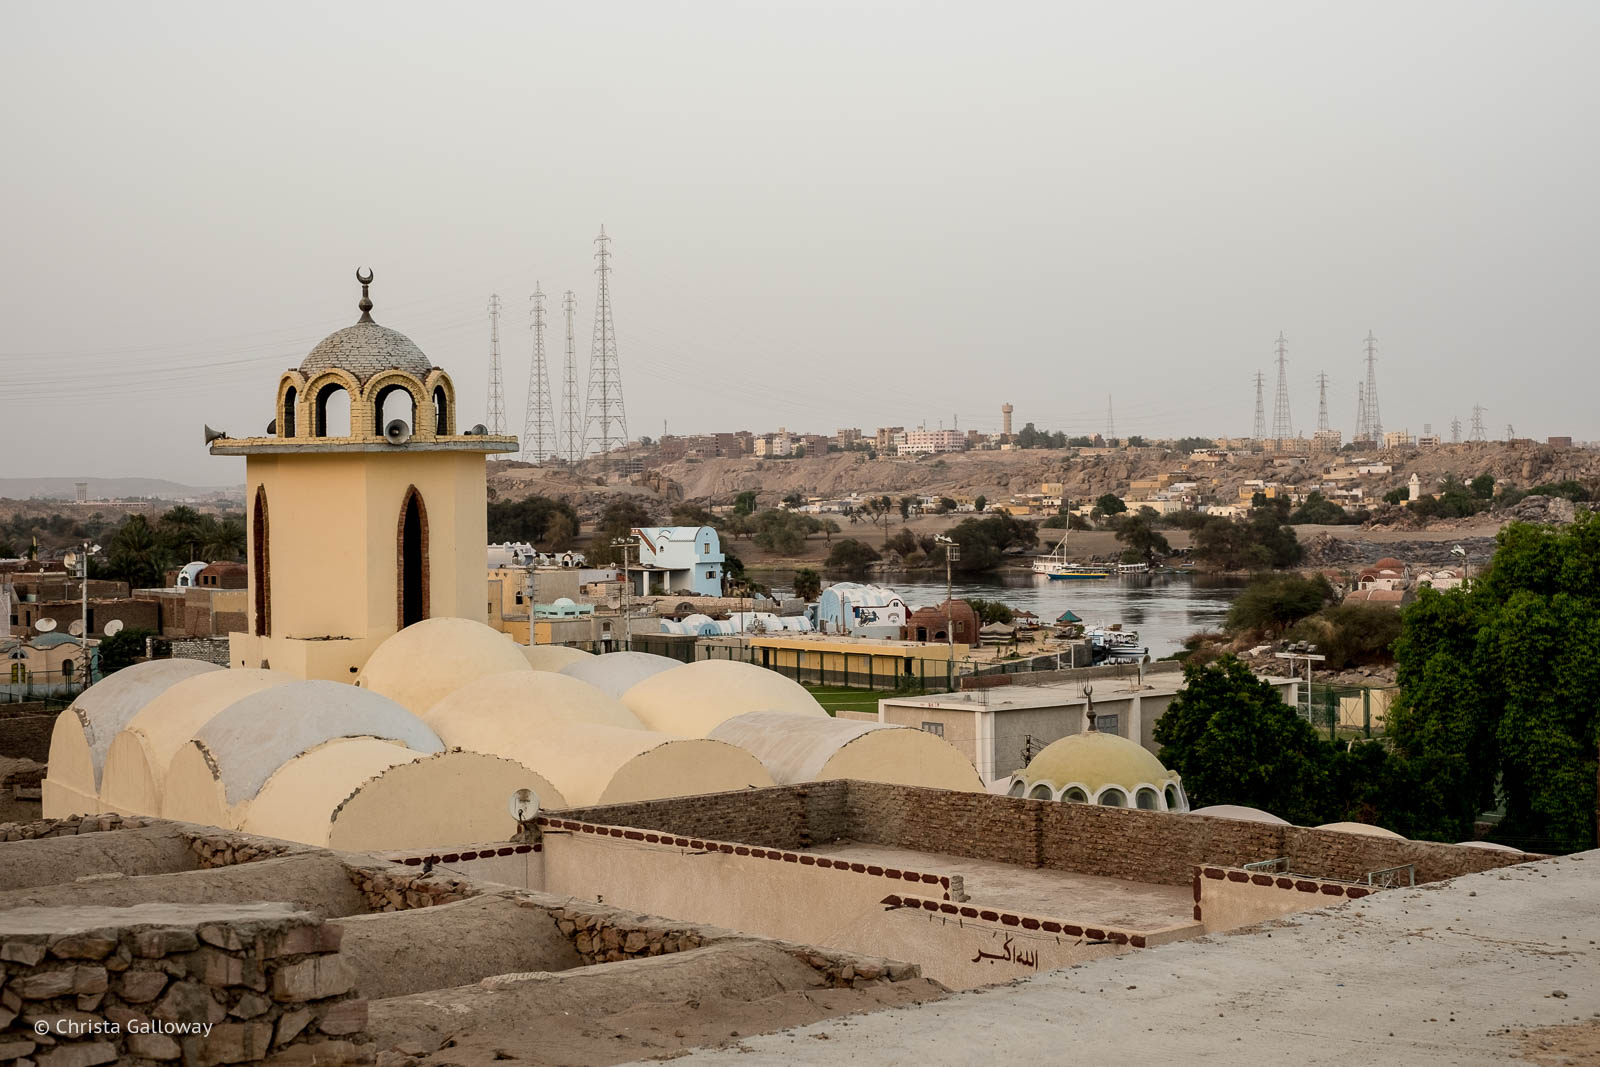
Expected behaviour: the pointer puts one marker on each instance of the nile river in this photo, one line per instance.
(1164, 608)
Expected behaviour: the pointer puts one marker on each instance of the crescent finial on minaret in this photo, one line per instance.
(366, 300)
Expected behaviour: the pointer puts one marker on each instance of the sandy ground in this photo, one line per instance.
(1476, 970)
(649, 1009)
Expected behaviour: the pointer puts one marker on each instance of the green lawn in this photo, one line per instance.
(837, 698)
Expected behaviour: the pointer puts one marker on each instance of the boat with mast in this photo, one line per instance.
(1057, 567)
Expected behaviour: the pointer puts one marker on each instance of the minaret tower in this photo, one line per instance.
(355, 537)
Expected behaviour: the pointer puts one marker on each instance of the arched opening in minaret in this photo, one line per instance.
(261, 566)
(441, 411)
(411, 594)
(393, 402)
(333, 411)
(286, 417)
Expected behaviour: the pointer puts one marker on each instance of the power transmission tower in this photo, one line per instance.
(497, 385)
(538, 429)
(1478, 411)
(1282, 424)
(1361, 411)
(1455, 430)
(1260, 431)
(1374, 419)
(569, 388)
(605, 419)
(1322, 401)
(1511, 433)
(1111, 421)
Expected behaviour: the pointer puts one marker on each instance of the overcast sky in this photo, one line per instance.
(823, 216)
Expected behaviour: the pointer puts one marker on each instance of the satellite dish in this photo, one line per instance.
(75, 627)
(524, 806)
(397, 432)
(114, 627)
(44, 626)
(272, 428)
(214, 435)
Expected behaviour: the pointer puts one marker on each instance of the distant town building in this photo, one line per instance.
(885, 438)
(1005, 419)
(677, 559)
(847, 438)
(1559, 442)
(1397, 439)
(1327, 440)
(1428, 440)
(925, 442)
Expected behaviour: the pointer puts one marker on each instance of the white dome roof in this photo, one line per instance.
(693, 699)
(553, 657)
(423, 663)
(1243, 814)
(491, 712)
(616, 672)
(1360, 828)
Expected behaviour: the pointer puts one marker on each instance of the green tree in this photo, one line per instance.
(985, 542)
(126, 648)
(1144, 541)
(1497, 685)
(795, 499)
(1271, 603)
(807, 584)
(1318, 510)
(1568, 489)
(562, 532)
(906, 504)
(1260, 542)
(745, 503)
(946, 506)
(1235, 741)
(138, 555)
(1110, 504)
(686, 514)
(619, 519)
(1482, 486)
(1351, 634)
(980, 503)
(527, 519)
(181, 529)
(990, 610)
(1194, 444)
(1397, 496)
(880, 509)
(851, 558)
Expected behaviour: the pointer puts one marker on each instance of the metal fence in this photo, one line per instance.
(845, 670)
(19, 685)
(1351, 710)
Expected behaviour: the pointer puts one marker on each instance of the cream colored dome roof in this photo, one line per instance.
(425, 662)
(553, 657)
(1360, 828)
(692, 700)
(617, 672)
(805, 748)
(1094, 760)
(1240, 812)
(489, 711)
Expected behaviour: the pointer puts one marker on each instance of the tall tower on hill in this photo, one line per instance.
(1374, 427)
(1260, 431)
(497, 385)
(1322, 402)
(571, 429)
(538, 429)
(398, 501)
(1282, 424)
(605, 418)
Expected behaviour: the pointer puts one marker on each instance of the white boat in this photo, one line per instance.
(1112, 644)
(1056, 566)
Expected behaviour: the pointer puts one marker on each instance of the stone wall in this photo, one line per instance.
(209, 649)
(793, 816)
(73, 824)
(25, 730)
(155, 983)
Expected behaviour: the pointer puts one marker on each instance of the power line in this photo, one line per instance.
(1478, 412)
(605, 418)
(1282, 424)
(538, 430)
(569, 388)
(497, 385)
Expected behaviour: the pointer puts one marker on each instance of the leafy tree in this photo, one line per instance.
(990, 611)
(783, 532)
(1482, 486)
(1135, 441)
(1260, 542)
(1235, 741)
(8, 550)
(946, 506)
(619, 519)
(562, 533)
(126, 648)
(1568, 489)
(880, 509)
(985, 542)
(686, 514)
(904, 542)
(980, 503)
(745, 503)
(1110, 504)
(1397, 496)
(1078, 522)
(1350, 634)
(851, 557)
(1194, 444)
(1318, 510)
(807, 584)
(1273, 602)
(528, 519)
(1498, 682)
(1143, 540)
(137, 554)
(906, 504)
(795, 499)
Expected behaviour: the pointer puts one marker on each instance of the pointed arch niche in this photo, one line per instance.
(411, 561)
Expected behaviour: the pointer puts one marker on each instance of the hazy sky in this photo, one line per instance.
(823, 215)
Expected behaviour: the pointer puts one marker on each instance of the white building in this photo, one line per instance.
(677, 559)
(925, 442)
(863, 610)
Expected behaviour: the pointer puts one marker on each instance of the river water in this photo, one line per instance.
(1164, 608)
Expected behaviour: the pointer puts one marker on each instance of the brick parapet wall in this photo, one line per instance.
(789, 817)
(74, 824)
(1315, 891)
(150, 984)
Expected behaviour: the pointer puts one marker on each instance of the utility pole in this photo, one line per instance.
(81, 562)
(626, 543)
(1374, 419)
(1282, 424)
(952, 553)
(1260, 432)
(538, 430)
(497, 385)
(605, 418)
(569, 389)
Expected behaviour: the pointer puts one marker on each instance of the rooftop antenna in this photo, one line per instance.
(1374, 418)
(605, 419)
(1282, 424)
(497, 385)
(569, 388)
(538, 428)
(1260, 433)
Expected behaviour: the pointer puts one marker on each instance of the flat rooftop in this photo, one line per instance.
(1482, 969)
(1087, 898)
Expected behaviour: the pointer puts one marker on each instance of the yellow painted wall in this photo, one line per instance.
(333, 520)
(888, 657)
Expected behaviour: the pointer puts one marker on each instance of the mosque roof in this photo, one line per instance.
(1094, 760)
(366, 349)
